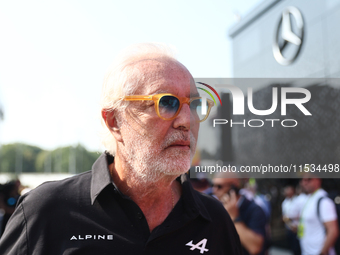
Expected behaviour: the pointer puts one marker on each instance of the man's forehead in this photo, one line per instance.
(164, 76)
(169, 88)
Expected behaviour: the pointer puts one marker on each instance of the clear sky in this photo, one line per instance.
(54, 55)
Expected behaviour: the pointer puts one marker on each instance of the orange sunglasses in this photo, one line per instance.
(168, 105)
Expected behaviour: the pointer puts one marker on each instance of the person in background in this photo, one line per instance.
(201, 183)
(287, 216)
(9, 195)
(249, 190)
(249, 218)
(318, 226)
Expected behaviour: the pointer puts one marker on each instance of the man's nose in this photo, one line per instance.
(183, 118)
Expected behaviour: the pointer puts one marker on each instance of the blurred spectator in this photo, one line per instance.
(298, 203)
(250, 192)
(291, 222)
(201, 183)
(9, 194)
(318, 227)
(249, 218)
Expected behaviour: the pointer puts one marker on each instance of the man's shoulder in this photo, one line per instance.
(50, 193)
(213, 206)
(321, 198)
(319, 193)
(326, 207)
(251, 210)
(249, 204)
(73, 182)
(208, 198)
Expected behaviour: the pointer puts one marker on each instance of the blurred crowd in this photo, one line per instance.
(9, 195)
(307, 212)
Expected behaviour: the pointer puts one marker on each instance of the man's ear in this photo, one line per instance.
(111, 122)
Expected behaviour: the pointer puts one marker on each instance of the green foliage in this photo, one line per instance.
(16, 158)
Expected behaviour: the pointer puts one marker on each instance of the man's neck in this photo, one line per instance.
(155, 199)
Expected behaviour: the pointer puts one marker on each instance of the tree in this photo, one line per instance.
(66, 160)
(18, 157)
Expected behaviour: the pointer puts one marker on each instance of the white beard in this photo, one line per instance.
(147, 165)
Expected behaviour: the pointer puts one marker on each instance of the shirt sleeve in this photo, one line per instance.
(14, 238)
(327, 210)
(257, 221)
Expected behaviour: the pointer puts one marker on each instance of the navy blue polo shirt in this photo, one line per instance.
(254, 218)
(87, 214)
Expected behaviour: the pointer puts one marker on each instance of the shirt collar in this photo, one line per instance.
(101, 178)
(100, 175)
(193, 203)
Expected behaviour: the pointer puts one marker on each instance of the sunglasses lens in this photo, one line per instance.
(199, 109)
(168, 106)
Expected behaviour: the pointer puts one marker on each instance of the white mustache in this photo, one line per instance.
(179, 137)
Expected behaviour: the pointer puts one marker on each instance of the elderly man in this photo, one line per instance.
(136, 199)
(249, 218)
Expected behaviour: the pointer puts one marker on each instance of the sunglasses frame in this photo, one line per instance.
(182, 100)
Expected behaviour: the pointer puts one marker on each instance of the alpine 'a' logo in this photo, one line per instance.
(200, 245)
(91, 237)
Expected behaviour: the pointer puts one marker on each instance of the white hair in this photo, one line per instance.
(123, 78)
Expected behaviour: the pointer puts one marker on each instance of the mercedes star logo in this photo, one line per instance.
(289, 36)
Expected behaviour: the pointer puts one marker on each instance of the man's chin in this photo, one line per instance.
(177, 153)
(177, 167)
